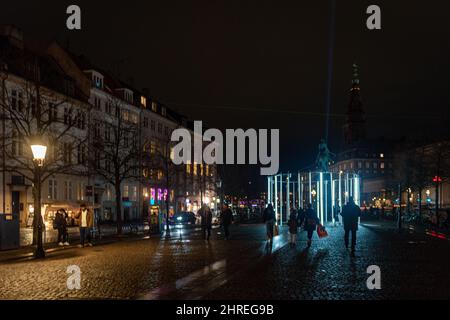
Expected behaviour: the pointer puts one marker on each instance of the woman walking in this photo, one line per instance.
(310, 222)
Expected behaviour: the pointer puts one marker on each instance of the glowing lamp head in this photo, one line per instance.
(39, 151)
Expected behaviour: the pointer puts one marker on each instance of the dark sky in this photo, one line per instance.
(263, 64)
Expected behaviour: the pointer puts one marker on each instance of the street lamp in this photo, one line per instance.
(39, 150)
(3, 77)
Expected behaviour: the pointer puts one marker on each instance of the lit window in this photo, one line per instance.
(144, 101)
(125, 191)
(381, 155)
(154, 106)
(382, 165)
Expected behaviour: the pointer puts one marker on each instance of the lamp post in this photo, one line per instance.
(219, 186)
(39, 150)
(3, 77)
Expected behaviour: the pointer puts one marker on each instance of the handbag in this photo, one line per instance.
(321, 232)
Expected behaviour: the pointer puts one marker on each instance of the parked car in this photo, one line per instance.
(183, 217)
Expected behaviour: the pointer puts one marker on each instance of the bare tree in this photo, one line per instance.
(31, 111)
(115, 150)
(157, 158)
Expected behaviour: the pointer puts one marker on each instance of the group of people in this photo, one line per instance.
(308, 220)
(85, 218)
(226, 219)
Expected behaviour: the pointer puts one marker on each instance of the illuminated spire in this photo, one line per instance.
(355, 78)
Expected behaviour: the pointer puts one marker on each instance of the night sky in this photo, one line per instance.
(263, 64)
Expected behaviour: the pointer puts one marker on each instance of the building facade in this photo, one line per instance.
(86, 110)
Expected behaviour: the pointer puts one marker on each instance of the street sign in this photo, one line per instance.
(89, 192)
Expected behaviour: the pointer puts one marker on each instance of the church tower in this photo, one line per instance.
(355, 123)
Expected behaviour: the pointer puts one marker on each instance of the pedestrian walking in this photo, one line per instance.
(86, 222)
(293, 227)
(60, 223)
(269, 220)
(350, 214)
(310, 221)
(206, 221)
(226, 218)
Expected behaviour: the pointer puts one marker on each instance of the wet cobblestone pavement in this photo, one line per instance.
(413, 265)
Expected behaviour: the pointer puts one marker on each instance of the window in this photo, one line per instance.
(375, 165)
(367, 165)
(52, 112)
(134, 194)
(154, 107)
(68, 190)
(125, 115)
(160, 128)
(163, 111)
(207, 170)
(52, 189)
(152, 125)
(81, 154)
(144, 101)
(125, 191)
(16, 100)
(382, 165)
(359, 164)
(145, 122)
(67, 153)
(188, 167)
(195, 168)
(33, 105)
(153, 147)
(166, 131)
(17, 144)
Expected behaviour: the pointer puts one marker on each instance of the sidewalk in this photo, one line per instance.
(441, 233)
(108, 235)
(50, 235)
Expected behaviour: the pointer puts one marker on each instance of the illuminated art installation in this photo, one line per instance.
(327, 193)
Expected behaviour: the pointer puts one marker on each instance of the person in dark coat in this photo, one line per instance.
(300, 216)
(310, 221)
(226, 219)
(269, 220)
(293, 227)
(206, 220)
(350, 214)
(61, 225)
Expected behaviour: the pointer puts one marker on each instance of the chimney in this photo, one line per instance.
(13, 34)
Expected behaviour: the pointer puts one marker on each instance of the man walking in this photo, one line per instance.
(227, 219)
(350, 214)
(86, 221)
(269, 220)
(206, 220)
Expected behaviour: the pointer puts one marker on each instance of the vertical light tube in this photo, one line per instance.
(317, 198)
(288, 195)
(321, 198)
(310, 194)
(269, 199)
(340, 195)
(333, 197)
(281, 199)
(346, 189)
(276, 197)
(299, 190)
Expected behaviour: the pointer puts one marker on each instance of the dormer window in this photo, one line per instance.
(154, 108)
(144, 101)
(97, 79)
(163, 111)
